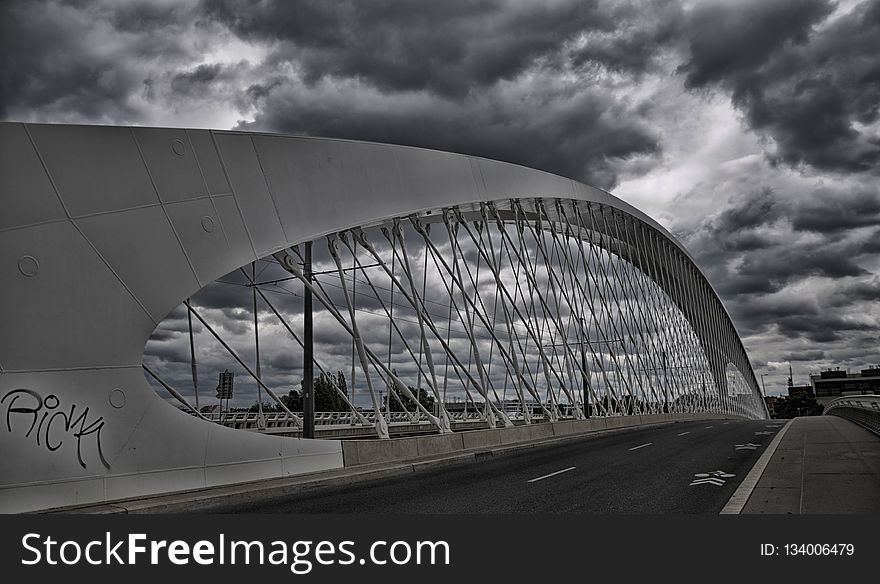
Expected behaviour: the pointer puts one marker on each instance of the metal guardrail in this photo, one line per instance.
(864, 410)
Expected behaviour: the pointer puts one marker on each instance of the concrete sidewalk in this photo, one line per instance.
(822, 465)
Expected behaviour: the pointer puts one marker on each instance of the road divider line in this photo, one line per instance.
(552, 474)
(683, 433)
(741, 496)
(642, 446)
(707, 427)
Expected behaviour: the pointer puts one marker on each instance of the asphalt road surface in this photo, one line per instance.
(641, 471)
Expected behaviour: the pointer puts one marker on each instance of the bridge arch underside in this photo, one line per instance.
(527, 294)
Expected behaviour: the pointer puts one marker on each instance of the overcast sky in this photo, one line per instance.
(748, 128)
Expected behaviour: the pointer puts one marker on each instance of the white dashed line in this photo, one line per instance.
(552, 474)
(707, 427)
(642, 446)
(683, 433)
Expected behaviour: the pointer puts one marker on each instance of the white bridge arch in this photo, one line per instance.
(104, 230)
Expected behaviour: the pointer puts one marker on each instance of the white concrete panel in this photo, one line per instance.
(249, 187)
(96, 168)
(209, 161)
(149, 483)
(73, 312)
(240, 249)
(141, 247)
(172, 163)
(26, 194)
(162, 438)
(112, 401)
(508, 180)
(245, 471)
(226, 445)
(201, 232)
(431, 179)
(315, 182)
(304, 456)
(48, 495)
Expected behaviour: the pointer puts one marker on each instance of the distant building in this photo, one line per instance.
(772, 401)
(834, 383)
(801, 391)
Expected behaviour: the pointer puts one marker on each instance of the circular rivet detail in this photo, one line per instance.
(117, 398)
(208, 223)
(178, 147)
(28, 266)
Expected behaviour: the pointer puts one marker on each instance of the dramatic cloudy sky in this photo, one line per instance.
(749, 128)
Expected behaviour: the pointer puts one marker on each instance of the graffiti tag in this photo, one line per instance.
(46, 414)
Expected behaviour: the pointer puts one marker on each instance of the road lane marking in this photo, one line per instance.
(642, 446)
(707, 427)
(683, 433)
(552, 474)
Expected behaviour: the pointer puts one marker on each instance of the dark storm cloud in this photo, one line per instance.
(444, 76)
(809, 277)
(448, 48)
(72, 61)
(577, 138)
(859, 291)
(832, 212)
(804, 80)
(804, 356)
(822, 327)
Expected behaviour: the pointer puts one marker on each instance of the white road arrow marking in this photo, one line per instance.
(748, 446)
(709, 481)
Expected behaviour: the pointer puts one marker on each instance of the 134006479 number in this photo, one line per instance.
(819, 549)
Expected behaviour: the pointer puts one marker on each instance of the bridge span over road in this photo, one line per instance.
(430, 278)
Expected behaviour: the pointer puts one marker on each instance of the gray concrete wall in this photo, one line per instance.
(360, 452)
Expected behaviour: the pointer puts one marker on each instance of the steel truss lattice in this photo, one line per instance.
(523, 309)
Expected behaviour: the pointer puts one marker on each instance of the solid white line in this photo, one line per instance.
(552, 474)
(741, 496)
(642, 446)
(683, 433)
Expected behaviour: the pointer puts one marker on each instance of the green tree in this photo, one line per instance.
(327, 398)
(798, 405)
(425, 398)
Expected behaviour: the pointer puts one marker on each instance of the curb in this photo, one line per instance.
(740, 497)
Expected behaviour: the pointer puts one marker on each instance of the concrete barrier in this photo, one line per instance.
(361, 452)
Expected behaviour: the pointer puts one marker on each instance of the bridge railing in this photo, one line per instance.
(328, 420)
(339, 420)
(861, 409)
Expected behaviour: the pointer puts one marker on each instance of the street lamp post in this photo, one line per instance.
(308, 350)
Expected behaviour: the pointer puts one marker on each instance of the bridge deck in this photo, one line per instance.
(822, 464)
